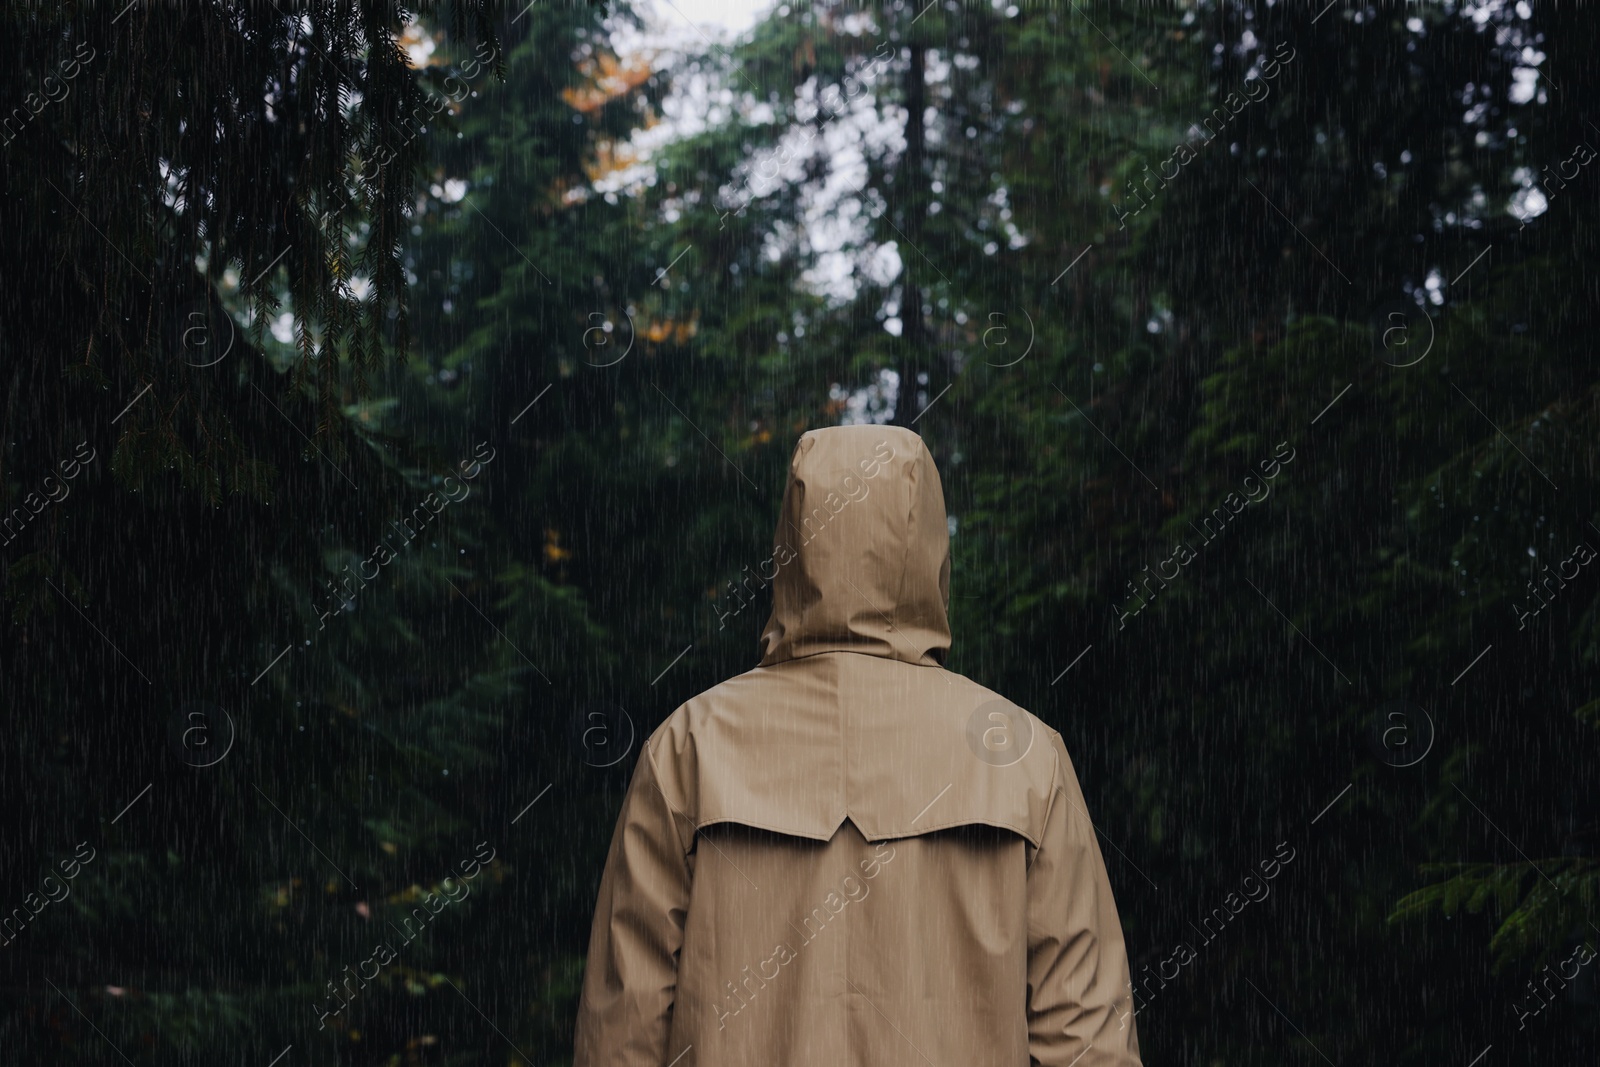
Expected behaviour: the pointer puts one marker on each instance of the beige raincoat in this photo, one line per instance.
(849, 856)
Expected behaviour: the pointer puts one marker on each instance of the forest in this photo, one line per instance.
(398, 400)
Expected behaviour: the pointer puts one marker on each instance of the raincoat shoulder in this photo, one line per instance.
(799, 747)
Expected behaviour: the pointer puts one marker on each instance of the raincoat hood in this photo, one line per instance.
(862, 550)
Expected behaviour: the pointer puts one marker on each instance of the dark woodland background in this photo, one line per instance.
(270, 280)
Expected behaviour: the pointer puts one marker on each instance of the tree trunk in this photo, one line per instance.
(909, 186)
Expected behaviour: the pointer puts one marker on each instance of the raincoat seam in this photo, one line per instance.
(840, 733)
(905, 559)
(672, 813)
(734, 820)
(1056, 788)
(968, 821)
(849, 651)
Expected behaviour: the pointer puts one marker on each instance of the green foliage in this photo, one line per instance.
(1537, 905)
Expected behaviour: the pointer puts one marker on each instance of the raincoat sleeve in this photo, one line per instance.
(1080, 1004)
(631, 977)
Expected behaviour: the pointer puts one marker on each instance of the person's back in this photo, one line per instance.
(850, 856)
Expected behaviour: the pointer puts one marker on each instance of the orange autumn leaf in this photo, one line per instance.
(679, 332)
(607, 80)
(553, 552)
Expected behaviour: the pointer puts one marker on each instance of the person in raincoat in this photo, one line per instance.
(850, 856)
